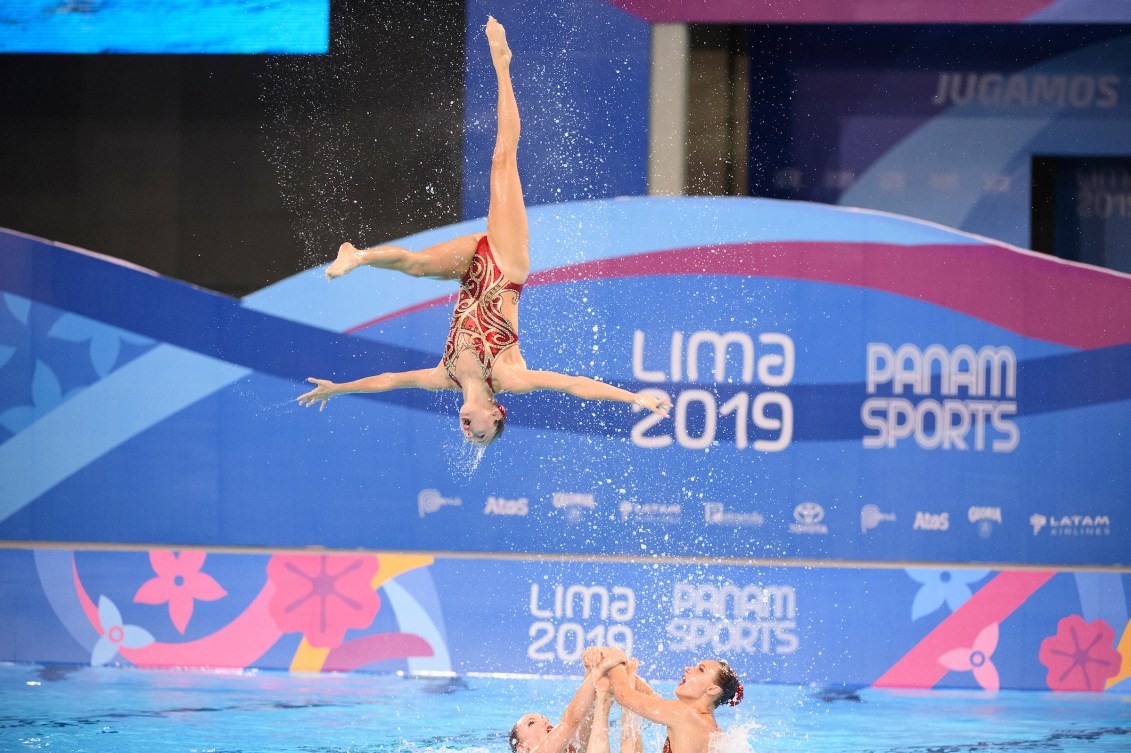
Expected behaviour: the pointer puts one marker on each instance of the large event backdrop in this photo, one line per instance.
(896, 454)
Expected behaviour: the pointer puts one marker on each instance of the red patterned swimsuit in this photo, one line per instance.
(478, 323)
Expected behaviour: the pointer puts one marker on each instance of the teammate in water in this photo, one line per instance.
(481, 357)
(584, 727)
(690, 717)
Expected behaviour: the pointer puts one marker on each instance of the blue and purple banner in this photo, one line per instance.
(874, 419)
(384, 612)
(847, 385)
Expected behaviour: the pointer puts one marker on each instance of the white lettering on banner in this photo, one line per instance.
(649, 512)
(728, 617)
(503, 506)
(965, 379)
(715, 513)
(771, 361)
(1071, 525)
(925, 521)
(994, 89)
(580, 605)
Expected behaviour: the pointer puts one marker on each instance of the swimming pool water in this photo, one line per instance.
(113, 709)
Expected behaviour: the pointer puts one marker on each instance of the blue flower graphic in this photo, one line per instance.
(115, 635)
(105, 341)
(951, 587)
(46, 394)
(20, 307)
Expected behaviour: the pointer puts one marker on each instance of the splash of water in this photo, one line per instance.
(463, 457)
(737, 738)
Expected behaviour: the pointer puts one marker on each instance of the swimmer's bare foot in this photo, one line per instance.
(497, 40)
(346, 262)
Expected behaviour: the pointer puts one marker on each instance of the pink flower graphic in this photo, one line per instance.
(1081, 656)
(323, 596)
(179, 582)
(976, 659)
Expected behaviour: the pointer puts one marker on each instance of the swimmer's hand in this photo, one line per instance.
(611, 657)
(322, 393)
(661, 406)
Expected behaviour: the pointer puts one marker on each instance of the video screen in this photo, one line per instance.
(171, 27)
(1082, 209)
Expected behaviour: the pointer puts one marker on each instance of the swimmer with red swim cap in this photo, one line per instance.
(481, 356)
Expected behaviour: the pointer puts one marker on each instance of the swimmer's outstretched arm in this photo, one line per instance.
(577, 710)
(597, 739)
(585, 388)
(652, 707)
(427, 379)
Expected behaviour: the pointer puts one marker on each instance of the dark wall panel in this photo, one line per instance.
(236, 171)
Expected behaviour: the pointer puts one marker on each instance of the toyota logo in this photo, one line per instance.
(808, 513)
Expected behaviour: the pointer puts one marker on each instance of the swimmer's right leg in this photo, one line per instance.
(444, 261)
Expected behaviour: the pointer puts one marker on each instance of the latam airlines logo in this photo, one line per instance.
(649, 511)
(809, 516)
(1071, 525)
(430, 500)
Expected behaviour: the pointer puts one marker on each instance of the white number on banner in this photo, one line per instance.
(567, 641)
(739, 405)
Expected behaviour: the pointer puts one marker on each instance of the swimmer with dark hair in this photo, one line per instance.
(690, 717)
(481, 357)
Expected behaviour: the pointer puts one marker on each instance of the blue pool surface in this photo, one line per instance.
(115, 709)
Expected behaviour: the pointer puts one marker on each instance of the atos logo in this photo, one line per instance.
(809, 516)
(929, 521)
(503, 506)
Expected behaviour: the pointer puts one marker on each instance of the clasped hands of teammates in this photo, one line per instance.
(602, 658)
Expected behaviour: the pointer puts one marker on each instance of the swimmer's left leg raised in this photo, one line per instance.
(443, 261)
